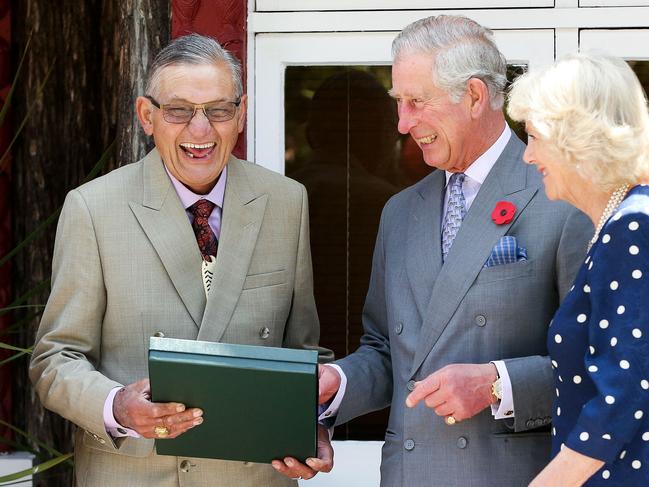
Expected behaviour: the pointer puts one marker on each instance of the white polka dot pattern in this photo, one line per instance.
(599, 343)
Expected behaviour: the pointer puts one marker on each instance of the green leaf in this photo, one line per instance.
(16, 446)
(28, 239)
(14, 83)
(20, 300)
(15, 327)
(22, 306)
(53, 217)
(37, 469)
(16, 349)
(32, 439)
(13, 357)
(4, 159)
(100, 163)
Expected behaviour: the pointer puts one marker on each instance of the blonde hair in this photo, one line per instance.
(592, 111)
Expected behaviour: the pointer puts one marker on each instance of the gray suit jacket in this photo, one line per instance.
(421, 315)
(126, 265)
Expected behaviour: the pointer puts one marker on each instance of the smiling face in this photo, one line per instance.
(559, 178)
(441, 128)
(195, 152)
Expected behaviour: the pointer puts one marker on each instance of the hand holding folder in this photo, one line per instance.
(323, 463)
(133, 409)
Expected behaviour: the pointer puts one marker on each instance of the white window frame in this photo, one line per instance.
(274, 52)
(625, 43)
(566, 19)
(341, 5)
(613, 3)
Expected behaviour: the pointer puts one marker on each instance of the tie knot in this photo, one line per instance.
(457, 178)
(202, 208)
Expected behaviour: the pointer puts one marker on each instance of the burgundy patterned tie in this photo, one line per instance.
(205, 237)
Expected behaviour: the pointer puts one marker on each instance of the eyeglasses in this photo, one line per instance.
(179, 112)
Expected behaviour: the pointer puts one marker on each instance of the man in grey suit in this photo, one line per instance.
(132, 250)
(469, 266)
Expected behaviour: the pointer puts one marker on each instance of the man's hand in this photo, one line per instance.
(324, 463)
(458, 390)
(132, 408)
(328, 383)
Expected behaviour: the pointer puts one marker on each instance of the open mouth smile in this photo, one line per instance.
(198, 151)
(426, 140)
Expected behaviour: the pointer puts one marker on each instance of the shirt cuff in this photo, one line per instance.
(113, 428)
(334, 404)
(503, 409)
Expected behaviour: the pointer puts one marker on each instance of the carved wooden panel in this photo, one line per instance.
(225, 20)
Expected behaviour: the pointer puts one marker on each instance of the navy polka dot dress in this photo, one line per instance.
(599, 346)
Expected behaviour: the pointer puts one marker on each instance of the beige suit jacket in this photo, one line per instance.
(126, 265)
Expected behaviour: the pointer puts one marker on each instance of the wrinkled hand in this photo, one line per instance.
(324, 463)
(328, 383)
(460, 390)
(133, 409)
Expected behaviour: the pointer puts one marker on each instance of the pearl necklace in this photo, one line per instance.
(613, 202)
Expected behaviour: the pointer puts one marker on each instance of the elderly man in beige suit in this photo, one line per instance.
(133, 257)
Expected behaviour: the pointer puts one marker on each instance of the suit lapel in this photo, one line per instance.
(476, 238)
(243, 213)
(165, 223)
(424, 239)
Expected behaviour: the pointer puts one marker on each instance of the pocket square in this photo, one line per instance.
(506, 251)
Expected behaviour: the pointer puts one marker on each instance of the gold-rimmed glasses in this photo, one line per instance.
(183, 112)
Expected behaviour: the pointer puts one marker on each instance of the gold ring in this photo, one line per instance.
(161, 431)
(450, 420)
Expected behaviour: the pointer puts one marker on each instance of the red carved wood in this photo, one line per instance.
(225, 20)
(5, 216)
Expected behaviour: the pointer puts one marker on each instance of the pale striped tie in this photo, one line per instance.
(455, 212)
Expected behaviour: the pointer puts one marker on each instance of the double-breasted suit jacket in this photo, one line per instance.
(422, 314)
(126, 265)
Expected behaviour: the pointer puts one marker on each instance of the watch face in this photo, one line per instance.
(496, 389)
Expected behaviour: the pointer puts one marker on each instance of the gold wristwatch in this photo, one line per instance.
(497, 388)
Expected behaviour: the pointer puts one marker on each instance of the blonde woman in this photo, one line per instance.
(586, 116)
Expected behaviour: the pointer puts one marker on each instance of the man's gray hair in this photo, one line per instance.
(462, 49)
(193, 49)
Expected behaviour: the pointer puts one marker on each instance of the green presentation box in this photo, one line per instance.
(259, 403)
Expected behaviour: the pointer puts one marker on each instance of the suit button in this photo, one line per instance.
(264, 333)
(480, 320)
(409, 444)
(529, 423)
(411, 385)
(399, 328)
(186, 466)
(461, 442)
(159, 334)
(539, 422)
(101, 440)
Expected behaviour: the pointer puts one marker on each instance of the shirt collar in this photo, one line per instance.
(188, 197)
(480, 168)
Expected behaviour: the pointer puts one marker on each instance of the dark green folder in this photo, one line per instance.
(259, 403)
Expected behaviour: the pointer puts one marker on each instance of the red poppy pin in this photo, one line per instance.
(503, 213)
